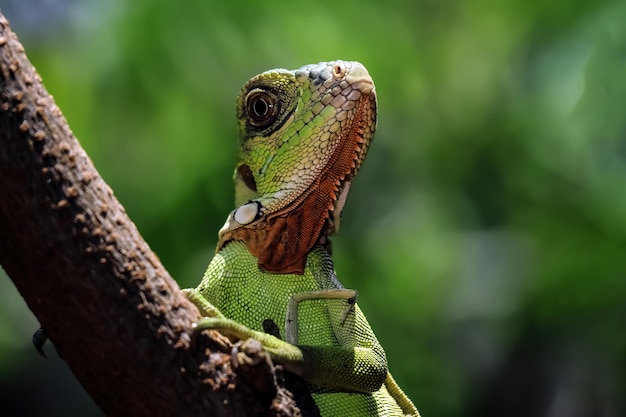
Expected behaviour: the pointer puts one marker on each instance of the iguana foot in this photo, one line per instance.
(291, 330)
(280, 351)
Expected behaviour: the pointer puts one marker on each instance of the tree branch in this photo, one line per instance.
(112, 311)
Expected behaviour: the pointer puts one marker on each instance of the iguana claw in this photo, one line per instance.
(279, 350)
(39, 339)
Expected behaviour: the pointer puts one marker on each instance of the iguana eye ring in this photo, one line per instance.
(262, 107)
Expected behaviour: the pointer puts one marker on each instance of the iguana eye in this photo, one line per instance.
(262, 108)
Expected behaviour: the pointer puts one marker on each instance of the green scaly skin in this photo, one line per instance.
(293, 125)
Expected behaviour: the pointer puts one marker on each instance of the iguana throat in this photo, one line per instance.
(303, 137)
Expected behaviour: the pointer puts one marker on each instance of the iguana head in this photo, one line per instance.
(303, 136)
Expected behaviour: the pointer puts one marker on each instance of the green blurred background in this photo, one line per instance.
(486, 232)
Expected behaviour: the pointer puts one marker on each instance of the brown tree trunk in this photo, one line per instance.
(112, 311)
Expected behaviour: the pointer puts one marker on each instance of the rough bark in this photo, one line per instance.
(112, 311)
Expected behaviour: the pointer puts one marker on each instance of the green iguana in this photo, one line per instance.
(303, 136)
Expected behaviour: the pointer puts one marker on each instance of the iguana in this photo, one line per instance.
(303, 136)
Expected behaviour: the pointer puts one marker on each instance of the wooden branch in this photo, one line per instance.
(112, 311)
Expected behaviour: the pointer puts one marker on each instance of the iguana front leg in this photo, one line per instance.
(291, 322)
(206, 309)
(324, 366)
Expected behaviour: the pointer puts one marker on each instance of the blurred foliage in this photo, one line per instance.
(486, 231)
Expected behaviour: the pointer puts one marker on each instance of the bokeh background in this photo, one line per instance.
(486, 232)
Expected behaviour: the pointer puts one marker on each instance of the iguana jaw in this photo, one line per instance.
(359, 136)
(297, 178)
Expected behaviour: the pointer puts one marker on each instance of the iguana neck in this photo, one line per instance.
(304, 135)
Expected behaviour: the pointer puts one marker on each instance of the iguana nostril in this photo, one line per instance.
(339, 70)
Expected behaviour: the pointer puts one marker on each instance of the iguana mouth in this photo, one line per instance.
(336, 178)
(356, 142)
